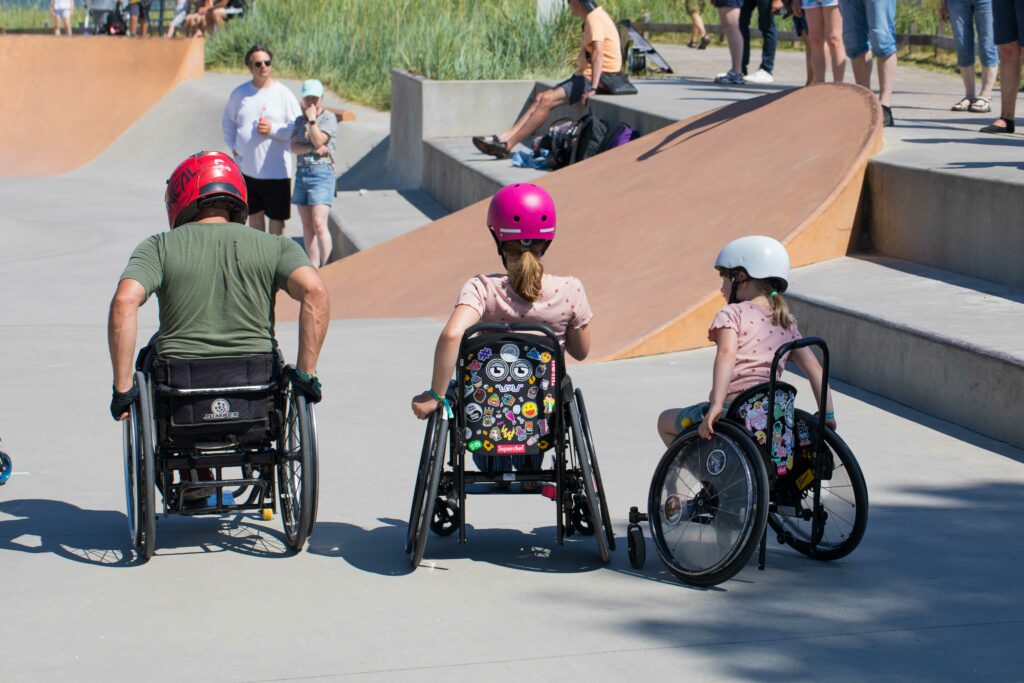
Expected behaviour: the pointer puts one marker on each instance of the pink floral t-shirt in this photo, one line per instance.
(562, 302)
(758, 340)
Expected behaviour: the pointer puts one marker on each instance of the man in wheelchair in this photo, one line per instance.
(216, 282)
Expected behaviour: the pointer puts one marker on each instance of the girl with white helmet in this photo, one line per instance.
(522, 221)
(748, 331)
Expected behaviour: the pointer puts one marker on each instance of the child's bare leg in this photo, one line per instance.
(668, 425)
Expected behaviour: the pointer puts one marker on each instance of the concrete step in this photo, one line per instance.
(456, 174)
(947, 344)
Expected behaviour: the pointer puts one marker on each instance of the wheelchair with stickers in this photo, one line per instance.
(767, 465)
(239, 414)
(511, 399)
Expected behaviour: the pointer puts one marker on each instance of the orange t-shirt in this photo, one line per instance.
(598, 27)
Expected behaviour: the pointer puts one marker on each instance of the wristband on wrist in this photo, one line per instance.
(307, 376)
(443, 401)
(830, 416)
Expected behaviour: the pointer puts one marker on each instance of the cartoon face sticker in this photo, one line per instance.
(483, 354)
(521, 370)
(549, 404)
(531, 392)
(508, 399)
(494, 400)
(496, 370)
(475, 365)
(545, 357)
(516, 409)
(488, 421)
(529, 410)
(509, 353)
(474, 412)
(495, 434)
(479, 395)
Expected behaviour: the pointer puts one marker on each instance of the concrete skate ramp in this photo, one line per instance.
(65, 100)
(641, 225)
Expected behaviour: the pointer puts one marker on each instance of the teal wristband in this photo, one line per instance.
(447, 406)
(305, 375)
(830, 416)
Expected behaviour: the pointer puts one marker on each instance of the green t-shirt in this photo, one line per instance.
(216, 284)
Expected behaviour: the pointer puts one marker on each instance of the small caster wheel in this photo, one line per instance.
(5, 468)
(267, 514)
(580, 516)
(446, 518)
(635, 546)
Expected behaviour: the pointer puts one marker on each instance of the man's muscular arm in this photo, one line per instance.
(122, 326)
(306, 287)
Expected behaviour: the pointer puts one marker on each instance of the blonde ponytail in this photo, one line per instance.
(781, 317)
(525, 270)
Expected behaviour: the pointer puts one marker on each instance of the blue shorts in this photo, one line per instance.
(869, 25)
(815, 4)
(692, 415)
(314, 185)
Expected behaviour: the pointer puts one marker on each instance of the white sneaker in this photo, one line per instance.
(761, 76)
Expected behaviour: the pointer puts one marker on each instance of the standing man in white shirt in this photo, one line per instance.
(258, 123)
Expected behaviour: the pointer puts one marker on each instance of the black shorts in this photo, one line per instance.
(1008, 21)
(270, 196)
(574, 87)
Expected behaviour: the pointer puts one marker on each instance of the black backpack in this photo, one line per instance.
(591, 132)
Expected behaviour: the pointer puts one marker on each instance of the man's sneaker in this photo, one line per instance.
(729, 78)
(761, 76)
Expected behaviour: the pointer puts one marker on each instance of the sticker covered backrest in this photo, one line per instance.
(775, 431)
(509, 391)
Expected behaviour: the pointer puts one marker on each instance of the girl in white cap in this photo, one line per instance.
(748, 332)
(313, 141)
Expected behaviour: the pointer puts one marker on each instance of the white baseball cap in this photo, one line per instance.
(312, 88)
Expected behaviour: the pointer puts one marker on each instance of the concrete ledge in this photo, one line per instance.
(945, 220)
(940, 342)
(456, 175)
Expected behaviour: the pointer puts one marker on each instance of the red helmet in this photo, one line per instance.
(205, 179)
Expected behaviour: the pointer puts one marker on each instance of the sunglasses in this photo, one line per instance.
(259, 65)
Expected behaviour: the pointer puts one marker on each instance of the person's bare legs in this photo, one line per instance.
(667, 427)
(276, 227)
(1009, 81)
(315, 233)
(729, 18)
(534, 117)
(862, 70)
(988, 81)
(256, 220)
(967, 76)
(886, 78)
(807, 58)
(833, 25)
(133, 24)
(699, 30)
(815, 17)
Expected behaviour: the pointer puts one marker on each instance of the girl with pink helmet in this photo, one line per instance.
(522, 220)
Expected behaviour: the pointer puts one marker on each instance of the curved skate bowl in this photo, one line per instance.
(65, 100)
(642, 224)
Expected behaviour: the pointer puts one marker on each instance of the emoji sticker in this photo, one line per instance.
(545, 357)
(483, 354)
(474, 412)
(509, 353)
(529, 409)
(496, 370)
(516, 409)
(521, 370)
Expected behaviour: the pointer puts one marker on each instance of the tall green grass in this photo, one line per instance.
(352, 45)
(17, 15)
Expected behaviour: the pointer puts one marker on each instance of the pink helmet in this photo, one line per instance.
(522, 211)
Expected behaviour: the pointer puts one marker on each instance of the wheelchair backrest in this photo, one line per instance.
(507, 393)
(202, 400)
(773, 432)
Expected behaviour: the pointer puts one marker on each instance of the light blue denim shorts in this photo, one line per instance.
(814, 4)
(314, 185)
(869, 25)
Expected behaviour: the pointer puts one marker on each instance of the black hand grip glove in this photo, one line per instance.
(309, 387)
(121, 402)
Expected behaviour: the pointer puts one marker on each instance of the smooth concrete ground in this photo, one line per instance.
(931, 594)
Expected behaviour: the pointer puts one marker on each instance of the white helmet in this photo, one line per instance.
(764, 258)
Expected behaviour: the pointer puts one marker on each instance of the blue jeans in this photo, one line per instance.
(964, 13)
(869, 24)
(314, 184)
(766, 25)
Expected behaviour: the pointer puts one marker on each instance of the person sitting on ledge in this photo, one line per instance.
(601, 53)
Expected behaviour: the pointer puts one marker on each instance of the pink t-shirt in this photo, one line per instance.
(758, 340)
(562, 302)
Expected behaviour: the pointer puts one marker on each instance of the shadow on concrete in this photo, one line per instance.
(379, 550)
(100, 537)
(992, 140)
(369, 173)
(929, 576)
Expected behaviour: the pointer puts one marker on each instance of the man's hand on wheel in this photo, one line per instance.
(122, 401)
(309, 385)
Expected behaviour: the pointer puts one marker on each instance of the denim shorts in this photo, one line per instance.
(1008, 21)
(694, 415)
(314, 185)
(869, 24)
(964, 15)
(815, 4)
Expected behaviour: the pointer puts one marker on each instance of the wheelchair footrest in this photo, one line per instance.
(209, 504)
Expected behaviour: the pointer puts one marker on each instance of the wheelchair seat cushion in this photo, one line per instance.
(238, 412)
(774, 433)
(508, 395)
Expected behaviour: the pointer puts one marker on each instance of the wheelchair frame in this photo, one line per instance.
(439, 495)
(286, 460)
(767, 488)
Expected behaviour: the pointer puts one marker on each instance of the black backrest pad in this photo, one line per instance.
(241, 416)
(508, 394)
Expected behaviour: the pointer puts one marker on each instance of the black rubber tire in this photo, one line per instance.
(636, 547)
(844, 499)
(445, 520)
(749, 516)
(421, 473)
(428, 492)
(139, 472)
(606, 516)
(297, 476)
(582, 453)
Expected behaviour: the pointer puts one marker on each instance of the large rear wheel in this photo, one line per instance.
(590, 491)
(139, 467)
(426, 495)
(297, 476)
(708, 504)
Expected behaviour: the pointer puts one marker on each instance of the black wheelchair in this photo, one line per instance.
(767, 465)
(511, 399)
(214, 414)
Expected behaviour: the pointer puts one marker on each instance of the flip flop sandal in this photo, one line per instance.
(494, 147)
(691, 45)
(982, 105)
(962, 105)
